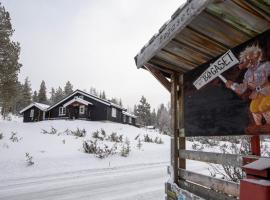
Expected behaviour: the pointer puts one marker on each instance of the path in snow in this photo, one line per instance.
(138, 182)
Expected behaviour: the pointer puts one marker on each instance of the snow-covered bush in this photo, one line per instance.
(53, 131)
(158, 140)
(147, 138)
(79, 132)
(139, 144)
(240, 146)
(115, 138)
(99, 150)
(14, 137)
(29, 159)
(125, 150)
(99, 135)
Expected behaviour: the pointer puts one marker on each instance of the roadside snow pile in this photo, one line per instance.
(51, 147)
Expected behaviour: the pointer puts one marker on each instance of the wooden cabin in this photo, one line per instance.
(34, 112)
(79, 105)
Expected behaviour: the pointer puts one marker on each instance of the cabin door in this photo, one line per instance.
(76, 112)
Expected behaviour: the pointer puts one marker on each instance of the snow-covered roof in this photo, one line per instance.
(40, 106)
(106, 102)
(129, 114)
(82, 93)
(117, 106)
(77, 99)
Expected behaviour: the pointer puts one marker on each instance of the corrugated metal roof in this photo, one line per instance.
(202, 30)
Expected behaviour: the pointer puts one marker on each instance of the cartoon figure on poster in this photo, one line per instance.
(255, 79)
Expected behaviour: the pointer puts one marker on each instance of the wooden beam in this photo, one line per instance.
(159, 76)
(216, 158)
(204, 192)
(223, 186)
(175, 128)
(181, 19)
(167, 65)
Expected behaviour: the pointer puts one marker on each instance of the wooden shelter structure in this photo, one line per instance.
(197, 33)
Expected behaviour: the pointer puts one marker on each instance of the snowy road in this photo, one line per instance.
(137, 182)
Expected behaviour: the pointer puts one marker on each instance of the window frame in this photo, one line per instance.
(32, 113)
(130, 120)
(114, 112)
(62, 111)
(82, 109)
(124, 118)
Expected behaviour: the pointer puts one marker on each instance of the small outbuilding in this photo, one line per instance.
(34, 112)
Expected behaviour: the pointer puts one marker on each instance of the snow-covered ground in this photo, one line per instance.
(54, 154)
(62, 170)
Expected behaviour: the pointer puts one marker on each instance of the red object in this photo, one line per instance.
(250, 189)
(255, 145)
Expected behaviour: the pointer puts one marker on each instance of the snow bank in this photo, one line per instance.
(54, 154)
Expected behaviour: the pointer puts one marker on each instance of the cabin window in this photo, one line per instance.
(124, 118)
(81, 96)
(114, 112)
(62, 111)
(82, 109)
(32, 113)
(130, 120)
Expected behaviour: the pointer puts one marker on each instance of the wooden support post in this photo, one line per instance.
(182, 139)
(175, 127)
(255, 145)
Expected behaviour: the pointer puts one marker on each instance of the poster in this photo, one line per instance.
(230, 95)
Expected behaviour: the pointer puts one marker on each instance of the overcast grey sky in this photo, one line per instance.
(90, 43)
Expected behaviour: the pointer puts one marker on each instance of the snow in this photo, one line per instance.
(63, 153)
(261, 164)
(63, 171)
(41, 106)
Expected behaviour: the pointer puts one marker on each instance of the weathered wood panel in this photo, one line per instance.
(218, 30)
(216, 158)
(223, 186)
(167, 65)
(238, 17)
(204, 192)
(176, 60)
(188, 53)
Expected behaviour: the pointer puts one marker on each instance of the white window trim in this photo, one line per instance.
(62, 111)
(32, 113)
(130, 120)
(114, 112)
(82, 109)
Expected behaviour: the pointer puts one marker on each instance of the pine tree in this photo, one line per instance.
(42, 94)
(153, 117)
(35, 96)
(68, 89)
(164, 119)
(52, 98)
(9, 65)
(59, 94)
(23, 96)
(143, 112)
(103, 95)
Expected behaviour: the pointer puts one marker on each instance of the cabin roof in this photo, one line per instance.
(106, 102)
(200, 31)
(40, 106)
(129, 114)
(79, 100)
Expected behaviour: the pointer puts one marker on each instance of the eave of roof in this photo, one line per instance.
(40, 106)
(202, 30)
